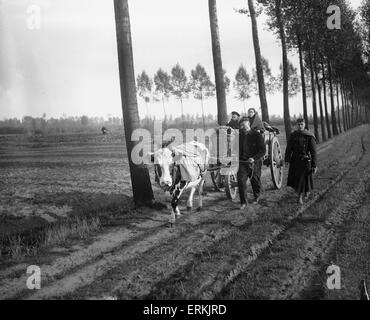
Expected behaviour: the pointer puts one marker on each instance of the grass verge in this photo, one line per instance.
(18, 246)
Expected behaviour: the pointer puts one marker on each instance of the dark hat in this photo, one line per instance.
(236, 113)
(300, 120)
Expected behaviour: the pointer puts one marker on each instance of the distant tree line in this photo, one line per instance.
(64, 125)
(42, 125)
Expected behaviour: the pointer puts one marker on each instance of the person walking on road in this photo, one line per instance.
(252, 149)
(301, 156)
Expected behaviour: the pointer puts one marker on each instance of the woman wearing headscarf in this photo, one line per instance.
(255, 120)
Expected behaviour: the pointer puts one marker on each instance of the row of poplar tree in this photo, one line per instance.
(330, 66)
(333, 63)
(177, 84)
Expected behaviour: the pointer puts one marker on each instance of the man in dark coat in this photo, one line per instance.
(252, 148)
(234, 122)
(302, 156)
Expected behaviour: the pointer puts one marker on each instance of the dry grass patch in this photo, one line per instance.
(17, 247)
(78, 227)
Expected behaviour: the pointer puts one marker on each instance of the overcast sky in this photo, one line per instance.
(69, 66)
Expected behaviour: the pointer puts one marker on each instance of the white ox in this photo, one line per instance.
(181, 168)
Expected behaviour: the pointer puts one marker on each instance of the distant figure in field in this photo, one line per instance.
(301, 155)
(234, 122)
(255, 120)
(104, 130)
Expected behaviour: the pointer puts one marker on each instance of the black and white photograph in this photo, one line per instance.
(208, 151)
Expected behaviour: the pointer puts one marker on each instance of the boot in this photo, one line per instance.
(300, 199)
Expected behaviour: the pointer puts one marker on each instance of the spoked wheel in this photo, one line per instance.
(276, 163)
(217, 179)
(231, 185)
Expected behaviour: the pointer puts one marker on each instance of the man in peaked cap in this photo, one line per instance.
(234, 122)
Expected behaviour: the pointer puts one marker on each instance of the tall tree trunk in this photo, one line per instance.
(182, 114)
(140, 179)
(164, 115)
(203, 118)
(314, 105)
(217, 63)
(353, 105)
(182, 110)
(303, 80)
(259, 67)
(347, 105)
(287, 123)
(357, 105)
(164, 109)
(325, 101)
(363, 115)
(360, 110)
(147, 109)
(345, 127)
(333, 117)
(344, 91)
(337, 88)
(322, 116)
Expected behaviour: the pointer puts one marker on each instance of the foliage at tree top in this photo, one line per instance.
(162, 83)
(294, 82)
(201, 83)
(242, 84)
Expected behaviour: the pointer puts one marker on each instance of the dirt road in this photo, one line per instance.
(274, 250)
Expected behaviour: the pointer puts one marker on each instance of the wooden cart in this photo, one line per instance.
(224, 177)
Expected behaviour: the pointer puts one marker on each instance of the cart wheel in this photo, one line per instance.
(276, 163)
(231, 185)
(217, 180)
